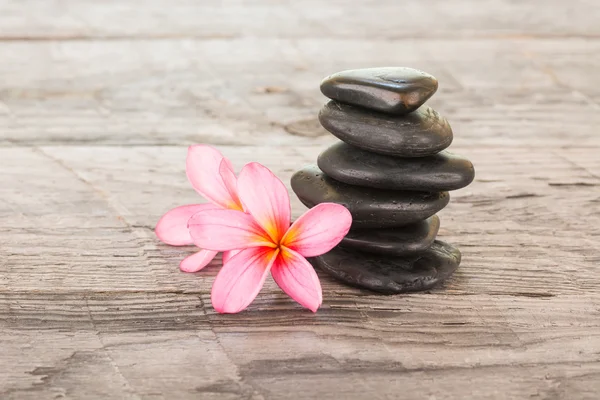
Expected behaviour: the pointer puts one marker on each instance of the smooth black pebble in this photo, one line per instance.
(389, 274)
(421, 133)
(370, 208)
(399, 241)
(440, 172)
(394, 90)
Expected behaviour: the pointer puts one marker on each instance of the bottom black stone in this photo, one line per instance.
(391, 274)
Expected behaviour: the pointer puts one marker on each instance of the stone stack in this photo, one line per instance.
(391, 171)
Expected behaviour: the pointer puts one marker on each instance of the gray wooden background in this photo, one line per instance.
(98, 102)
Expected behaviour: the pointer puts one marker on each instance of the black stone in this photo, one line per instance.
(421, 133)
(389, 274)
(370, 208)
(440, 172)
(410, 239)
(394, 90)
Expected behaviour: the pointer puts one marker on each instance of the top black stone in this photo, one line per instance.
(392, 90)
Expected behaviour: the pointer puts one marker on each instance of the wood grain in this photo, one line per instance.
(98, 101)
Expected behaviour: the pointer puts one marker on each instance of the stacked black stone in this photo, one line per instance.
(391, 171)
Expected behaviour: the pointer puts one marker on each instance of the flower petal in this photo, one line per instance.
(240, 279)
(229, 180)
(265, 197)
(224, 230)
(172, 227)
(202, 168)
(298, 279)
(318, 230)
(197, 261)
(228, 254)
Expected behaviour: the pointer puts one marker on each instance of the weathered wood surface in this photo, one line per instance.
(98, 101)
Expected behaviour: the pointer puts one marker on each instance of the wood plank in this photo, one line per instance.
(177, 92)
(109, 344)
(119, 194)
(85, 20)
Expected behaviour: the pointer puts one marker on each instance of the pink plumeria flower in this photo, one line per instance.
(267, 242)
(213, 177)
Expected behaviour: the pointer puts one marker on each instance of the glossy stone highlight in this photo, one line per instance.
(370, 208)
(389, 274)
(440, 172)
(393, 90)
(399, 241)
(421, 133)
